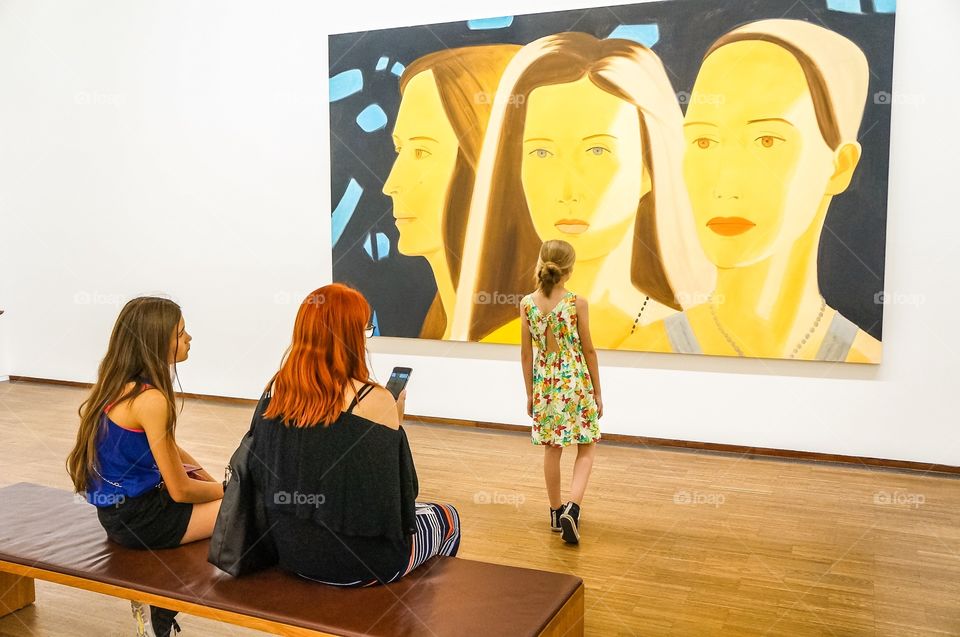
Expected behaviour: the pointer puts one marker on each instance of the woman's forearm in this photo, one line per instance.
(186, 458)
(196, 491)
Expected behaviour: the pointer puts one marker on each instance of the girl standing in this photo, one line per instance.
(562, 381)
(149, 492)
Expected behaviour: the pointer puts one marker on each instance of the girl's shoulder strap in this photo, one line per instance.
(526, 306)
(361, 393)
(144, 386)
(572, 309)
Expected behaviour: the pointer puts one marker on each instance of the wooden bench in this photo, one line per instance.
(50, 534)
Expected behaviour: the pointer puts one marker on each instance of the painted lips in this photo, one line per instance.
(571, 226)
(730, 226)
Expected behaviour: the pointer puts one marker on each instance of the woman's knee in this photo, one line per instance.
(451, 543)
(449, 516)
(451, 521)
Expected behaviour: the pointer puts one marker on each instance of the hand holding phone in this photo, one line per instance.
(402, 405)
(398, 380)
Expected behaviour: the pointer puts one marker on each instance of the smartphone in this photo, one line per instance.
(398, 380)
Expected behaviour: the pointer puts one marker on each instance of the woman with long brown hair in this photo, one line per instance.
(445, 103)
(584, 144)
(149, 492)
(333, 462)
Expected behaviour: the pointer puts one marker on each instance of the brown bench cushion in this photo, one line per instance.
(50, 529)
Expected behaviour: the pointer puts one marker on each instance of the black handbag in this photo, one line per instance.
(241, 541)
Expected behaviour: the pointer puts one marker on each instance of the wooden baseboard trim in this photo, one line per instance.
(715, 447)
(643, 441)
(74, 383)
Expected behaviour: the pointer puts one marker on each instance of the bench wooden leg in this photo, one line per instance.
(16, 592)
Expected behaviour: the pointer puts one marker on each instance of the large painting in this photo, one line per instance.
(720, 168)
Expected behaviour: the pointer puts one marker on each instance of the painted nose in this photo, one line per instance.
(727, 185)
(722, 193)
(390, 185)
(568, 190)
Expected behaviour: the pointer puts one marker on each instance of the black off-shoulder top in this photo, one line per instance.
(340, 498)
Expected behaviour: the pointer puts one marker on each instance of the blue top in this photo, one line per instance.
(126, 465)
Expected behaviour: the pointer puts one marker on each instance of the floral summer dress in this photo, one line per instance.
(564, 410)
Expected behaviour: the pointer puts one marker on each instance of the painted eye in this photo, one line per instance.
(768, 141)
(421, 153)
(704, 143)
(597, 151)
(541, 153)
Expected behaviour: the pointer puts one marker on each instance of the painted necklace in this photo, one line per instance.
(797, 347)
(636, 321)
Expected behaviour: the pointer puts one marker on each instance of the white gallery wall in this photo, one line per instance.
(181, 147)
(6, 277)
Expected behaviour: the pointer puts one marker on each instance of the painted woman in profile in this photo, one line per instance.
(771, 135)
(445, 105)
(585, 145)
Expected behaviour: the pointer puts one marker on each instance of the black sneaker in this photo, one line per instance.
(163, 622)
(570, 523)
(555, 519)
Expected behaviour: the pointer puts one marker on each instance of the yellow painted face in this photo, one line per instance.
(582, 166)
(427, 148)
(756, 165)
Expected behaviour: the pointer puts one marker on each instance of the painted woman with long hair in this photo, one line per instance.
(585, 145)
(149, 492)
(334, 466)
(445, 105)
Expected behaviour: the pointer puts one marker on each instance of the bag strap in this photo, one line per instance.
(366, 389)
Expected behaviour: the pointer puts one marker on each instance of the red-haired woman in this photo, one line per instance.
(333, 462)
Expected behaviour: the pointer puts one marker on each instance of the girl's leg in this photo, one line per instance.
(202, 519)
(551, 474)
(581, 471)
(160, 622)
(438, 533)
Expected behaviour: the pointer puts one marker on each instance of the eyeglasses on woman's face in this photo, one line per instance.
(369, 329)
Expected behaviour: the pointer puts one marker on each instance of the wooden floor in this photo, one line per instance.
(674, 543)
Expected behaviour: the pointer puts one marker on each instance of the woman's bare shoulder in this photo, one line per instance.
(380, 407)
